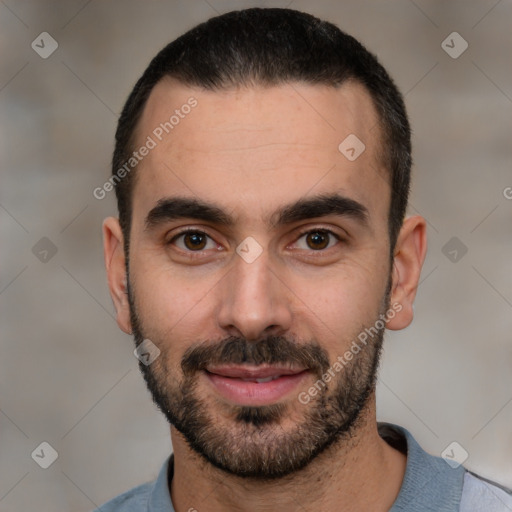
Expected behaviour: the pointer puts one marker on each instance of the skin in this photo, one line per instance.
(251, 151)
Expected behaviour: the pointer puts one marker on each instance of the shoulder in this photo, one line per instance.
(481, 495)
(135, 499)
(150, 496)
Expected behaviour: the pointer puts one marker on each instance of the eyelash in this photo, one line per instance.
(324, 231)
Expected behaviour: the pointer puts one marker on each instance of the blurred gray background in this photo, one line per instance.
(68, 376)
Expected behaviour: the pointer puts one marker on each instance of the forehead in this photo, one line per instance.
(256, 147)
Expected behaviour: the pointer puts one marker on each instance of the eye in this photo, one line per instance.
(317, 240)
(193, 240)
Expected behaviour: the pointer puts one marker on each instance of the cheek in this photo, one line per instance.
(338, 304)
(172, 306)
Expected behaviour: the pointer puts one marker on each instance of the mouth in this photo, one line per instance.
(254, 385)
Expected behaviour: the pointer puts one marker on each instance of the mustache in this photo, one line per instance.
(270, 350)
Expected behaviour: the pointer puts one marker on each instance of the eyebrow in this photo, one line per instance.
(175, 208)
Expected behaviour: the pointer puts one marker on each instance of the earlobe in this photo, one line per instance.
(409, 255)
(113, 252)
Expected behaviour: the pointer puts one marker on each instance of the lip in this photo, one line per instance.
(238, 384)
(253, 372)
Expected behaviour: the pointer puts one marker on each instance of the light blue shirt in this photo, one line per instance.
(430, 484)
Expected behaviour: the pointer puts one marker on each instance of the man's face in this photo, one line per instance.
(254, 304)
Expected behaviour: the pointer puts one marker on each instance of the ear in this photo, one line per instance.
(113, 252)
(409, 255)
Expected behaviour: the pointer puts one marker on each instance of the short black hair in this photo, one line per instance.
(271, 46)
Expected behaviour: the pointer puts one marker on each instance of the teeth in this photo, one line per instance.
(266, 379)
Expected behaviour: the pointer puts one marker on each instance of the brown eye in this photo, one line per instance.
(192, 241)
(318, 240)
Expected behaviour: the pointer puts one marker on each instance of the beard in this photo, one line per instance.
(261, 442)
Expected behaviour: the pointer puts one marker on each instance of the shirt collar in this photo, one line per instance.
(160, 498)
(430, 483)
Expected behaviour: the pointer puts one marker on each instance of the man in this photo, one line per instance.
(262, 169)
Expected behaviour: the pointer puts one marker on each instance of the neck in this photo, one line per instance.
(359, 473)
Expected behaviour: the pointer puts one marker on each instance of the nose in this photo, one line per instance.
(254, 300)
